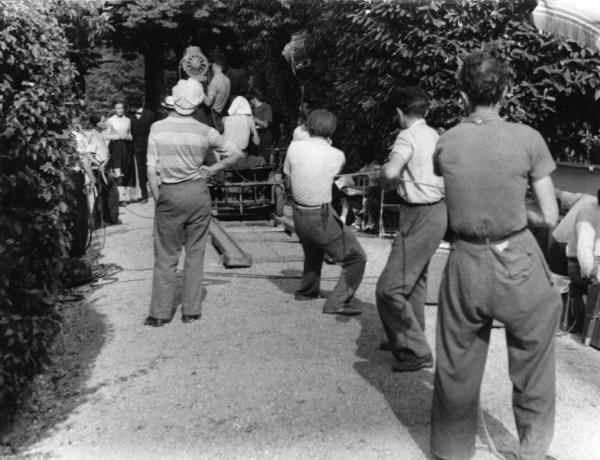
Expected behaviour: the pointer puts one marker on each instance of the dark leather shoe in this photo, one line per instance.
(384, 346)
(302, 297)
(411, 362)
(156, 322)
(344, 310)
(189, 318)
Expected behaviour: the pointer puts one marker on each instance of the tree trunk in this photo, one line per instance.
(154, 58)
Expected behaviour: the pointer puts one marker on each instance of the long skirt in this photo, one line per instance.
(122, 166)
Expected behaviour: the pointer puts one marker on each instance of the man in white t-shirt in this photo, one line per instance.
(310, 167)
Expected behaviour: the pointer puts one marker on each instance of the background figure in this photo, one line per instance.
(310, 168)
(301, 130)
(402, 287)
(239, 127)
(218, 92)
(496, 269)
(121, 163)
(263, 117)
(141, 120)
(238, 82)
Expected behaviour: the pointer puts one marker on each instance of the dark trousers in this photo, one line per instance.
(321, 231)
(402, 287)
(182, 216)
(140, 162)
(509, 282)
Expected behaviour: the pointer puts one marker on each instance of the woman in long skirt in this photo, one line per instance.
(122, 162)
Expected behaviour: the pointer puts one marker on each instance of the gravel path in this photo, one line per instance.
(262, 375)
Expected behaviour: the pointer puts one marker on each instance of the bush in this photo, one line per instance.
(37, 103)
(363, 50)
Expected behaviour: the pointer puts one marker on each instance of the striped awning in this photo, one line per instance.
(577, 20)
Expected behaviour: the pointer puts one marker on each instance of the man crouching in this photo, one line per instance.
(310, 167)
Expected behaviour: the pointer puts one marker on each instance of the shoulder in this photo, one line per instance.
(590, 212)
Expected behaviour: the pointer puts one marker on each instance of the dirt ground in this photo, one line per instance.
(261, 375)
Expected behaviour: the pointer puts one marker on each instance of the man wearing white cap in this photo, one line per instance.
(177, 148)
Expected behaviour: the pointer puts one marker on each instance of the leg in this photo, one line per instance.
(196, 234)
(402, 287)
(346, 251)
(530, 339)
(168, 238)
(140, 158)
(311, 275)
(418, 297)
(462, 340)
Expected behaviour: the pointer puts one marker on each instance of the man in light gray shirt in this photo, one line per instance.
(310, 167)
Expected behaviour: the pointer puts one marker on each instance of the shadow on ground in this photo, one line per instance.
(56, 393)
(409, 394)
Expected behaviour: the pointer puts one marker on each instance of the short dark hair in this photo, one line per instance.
(95, 119)
(257, 93)
(321, 123)
(483, 78)
(219, 59)
(412, 100)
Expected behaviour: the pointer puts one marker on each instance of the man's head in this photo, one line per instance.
(256, 97)
(218, 63)
(410, 101)
(321, 123)
(187, 95)
(483, 79)
(119, 108)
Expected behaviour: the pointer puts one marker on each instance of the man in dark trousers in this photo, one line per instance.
(402, 287)
(177, 149)
(310, 167)
(496, 270)
(141, 119)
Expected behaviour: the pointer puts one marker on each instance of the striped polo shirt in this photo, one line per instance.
(177, 147)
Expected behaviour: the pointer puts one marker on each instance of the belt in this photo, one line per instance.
(486, 240)
(403, 202)
(309, 206)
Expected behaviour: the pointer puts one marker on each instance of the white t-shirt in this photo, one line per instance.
(311, 166)
(236, 129)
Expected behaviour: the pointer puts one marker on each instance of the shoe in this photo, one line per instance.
(122, 203)
(384, 346)
(156, 322)
(302, 297)
(345, 310)
(143, 201)
(412, 362)
(189, 318)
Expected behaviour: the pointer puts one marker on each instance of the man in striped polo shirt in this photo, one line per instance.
(177, 147)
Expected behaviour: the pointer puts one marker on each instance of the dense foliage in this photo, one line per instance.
(115, 78)
(363, 50)
(37, 103)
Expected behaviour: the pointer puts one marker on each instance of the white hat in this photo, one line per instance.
(240, 106)
(168, 103)
(187, 95)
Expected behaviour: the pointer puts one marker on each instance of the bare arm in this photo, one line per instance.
(255, 136)
(153, 182)
(230, 155)
(545, 212)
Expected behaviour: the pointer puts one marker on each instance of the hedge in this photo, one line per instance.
(37, 104)
(363, 50)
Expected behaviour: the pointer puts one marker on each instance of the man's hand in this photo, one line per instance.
(207, 171)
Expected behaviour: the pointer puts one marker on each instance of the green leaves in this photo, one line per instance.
(37, 103)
